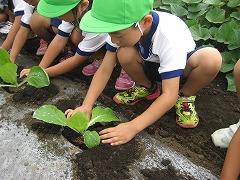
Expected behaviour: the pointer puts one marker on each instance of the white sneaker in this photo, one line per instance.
(5, 29)
(222, 137)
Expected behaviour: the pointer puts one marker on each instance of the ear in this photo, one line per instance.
(147, 21)
(83, 6)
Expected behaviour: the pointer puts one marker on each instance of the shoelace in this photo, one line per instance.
(96, 63)
(185, 106)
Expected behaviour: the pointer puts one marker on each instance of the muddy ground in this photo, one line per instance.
(216, 107)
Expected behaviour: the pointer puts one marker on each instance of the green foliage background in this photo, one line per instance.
(212, 23)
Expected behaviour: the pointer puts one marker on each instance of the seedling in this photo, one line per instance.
(37, 76)
(78, 122)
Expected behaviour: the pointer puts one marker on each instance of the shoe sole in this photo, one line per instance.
(122, 88)
(87, 74)
(40, 53)
(150, 97)
(187, 126)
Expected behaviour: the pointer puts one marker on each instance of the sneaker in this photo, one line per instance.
(222, 137)
(137, 93)
(124, 82)
(6, 28)
(42, 48)
(186, 115)
(91, 69)
(70, 53)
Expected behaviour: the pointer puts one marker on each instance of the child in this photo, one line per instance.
(154, 46)
(230, 138)
(19, 6)
(48, 30)
(91, 42)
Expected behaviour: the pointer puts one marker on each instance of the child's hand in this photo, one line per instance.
(24, 72)
(118, 135)
(70, 112)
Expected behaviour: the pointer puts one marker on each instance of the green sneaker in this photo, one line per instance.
(137, 93)
(185, 111)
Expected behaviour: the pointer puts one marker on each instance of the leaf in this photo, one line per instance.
(235, 15)
(8, 73)
(38, 77)
(199, 33)
(235, 40)
(233, 3)
(4, 57)
(50, 114)
(226, 31)
(178, 10)
(227, 60)
(168, 2)
(78, 122)
(231, 82)
(213, 2)
(216, 15)
(91, 139)
(102, 115)
(192, 1)
(197, 7)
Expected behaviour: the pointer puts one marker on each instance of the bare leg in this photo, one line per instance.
(132, 63)
(202, 67)
(237, 78)
(41, 26)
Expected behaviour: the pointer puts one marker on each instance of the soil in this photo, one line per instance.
(217, 108)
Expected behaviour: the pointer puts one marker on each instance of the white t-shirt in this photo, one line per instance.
(28, 12)
(19, 6)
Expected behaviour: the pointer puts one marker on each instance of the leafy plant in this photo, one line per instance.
(78, 122)
(8, 72)
(212, 23)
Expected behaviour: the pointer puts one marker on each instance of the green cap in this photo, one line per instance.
(55, 8)
(114, 15)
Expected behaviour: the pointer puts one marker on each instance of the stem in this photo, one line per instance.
(7, 85)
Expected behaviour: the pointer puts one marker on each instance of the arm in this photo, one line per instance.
(7, 44)
(231, 166)
(19, 42)
(53, 50)
(98, 84)
(126, 131)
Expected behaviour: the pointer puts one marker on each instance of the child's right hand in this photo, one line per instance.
(70, 112)
(24, 72)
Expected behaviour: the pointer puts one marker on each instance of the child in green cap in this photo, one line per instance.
(87, 44)
(153, 46)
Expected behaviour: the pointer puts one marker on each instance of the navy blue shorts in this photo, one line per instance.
(55, 22)
(151, 69)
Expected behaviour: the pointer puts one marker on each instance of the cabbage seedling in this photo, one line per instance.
(78, 122)
(8, 72)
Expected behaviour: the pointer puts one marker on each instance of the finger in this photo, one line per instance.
(106, 131)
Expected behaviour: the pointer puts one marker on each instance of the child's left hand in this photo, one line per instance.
(118, 135)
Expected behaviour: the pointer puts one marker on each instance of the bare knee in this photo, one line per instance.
(127, 55)
(38, 22)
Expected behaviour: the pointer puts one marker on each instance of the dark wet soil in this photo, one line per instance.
(216, 107)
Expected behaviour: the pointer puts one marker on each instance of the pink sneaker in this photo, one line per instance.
(92, 68)
(70, 53)
(124, 82)
(43, 48)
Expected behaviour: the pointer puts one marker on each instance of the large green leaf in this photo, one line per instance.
(38, 77)
(231, 83)
(197, 7)
(178, 10)
(50, 114)
(234, 40)
(102, 115)
(235, 15)
(4, 57)
(227, 60)
(78, 122)
(192, 1)
(196, 15)
(216, 15)
(226, 31)
(91, 139)
(213, 2)
(199, 33)
(172, 2)
(8, 73)
(233, 3)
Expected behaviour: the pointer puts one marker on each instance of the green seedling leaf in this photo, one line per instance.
(216, 15)
(197, 7)
(199, 33)
(4, 57)
(172, 2)
(8, 73)
(235, 15)
(213, 2)
(192, 1)
(78, 122)
(50, 114)
(178, 10)
(102, 115)
(37, 77)
(227, 64)
(91, 139)
(233, 3)
(234, 40)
